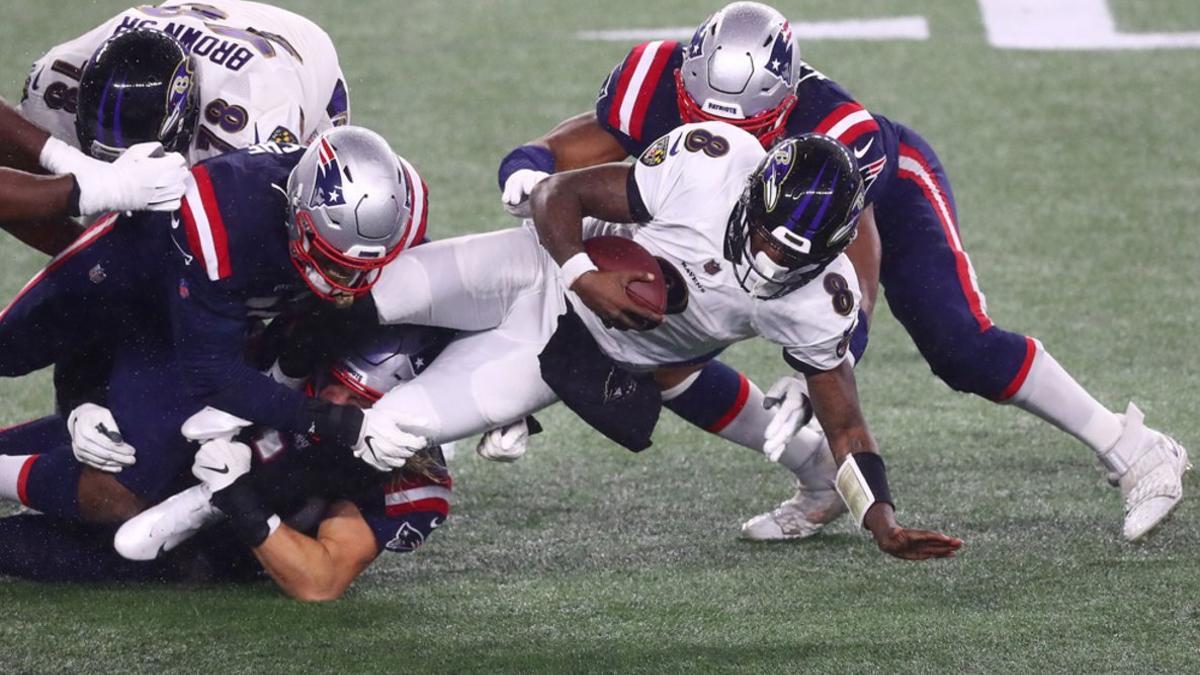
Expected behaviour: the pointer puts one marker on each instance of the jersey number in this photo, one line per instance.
(703, 140)
(839, 290)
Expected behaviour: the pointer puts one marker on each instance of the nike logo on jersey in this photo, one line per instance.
(223, 469)
(36, 79)
(187, 257)
(859, 153)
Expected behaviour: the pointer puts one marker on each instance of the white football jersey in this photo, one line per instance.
(265, 74)
(689, 182)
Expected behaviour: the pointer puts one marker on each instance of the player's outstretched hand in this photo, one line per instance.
(142, 178)
(604, 293)
(386, 441)
(517, 189)
(908, 544)
(96, 440)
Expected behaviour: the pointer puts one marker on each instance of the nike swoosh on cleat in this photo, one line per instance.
(223, 469)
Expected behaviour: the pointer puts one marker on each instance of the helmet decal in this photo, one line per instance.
(814, 189)
(778, 168)
(696, 48)
(327, 189)
(177, 96)
(780, 63)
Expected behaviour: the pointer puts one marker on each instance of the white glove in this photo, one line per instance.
(517, 189)
(383, 443)
(210, 423)
(505, 444)
(142, 178)
(789, 396)
(220, 462)
(96, 440)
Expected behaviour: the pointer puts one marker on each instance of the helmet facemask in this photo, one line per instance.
(330, 273)
(742, 67)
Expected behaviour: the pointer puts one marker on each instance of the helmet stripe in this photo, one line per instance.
(116, 115)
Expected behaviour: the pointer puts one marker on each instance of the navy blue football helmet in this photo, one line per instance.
(798, 212)
(139, 86)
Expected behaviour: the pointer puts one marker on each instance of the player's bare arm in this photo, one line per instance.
(560, 203)
(322, 567)
(21, 141)
(578, 142)
(31, 198)
(834, 396)
(865, 253)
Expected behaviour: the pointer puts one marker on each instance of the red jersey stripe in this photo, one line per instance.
(216, 224)
(627, 68)
(649, 85)
(738, 403)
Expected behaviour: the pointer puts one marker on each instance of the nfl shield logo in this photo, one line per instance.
(712, 266)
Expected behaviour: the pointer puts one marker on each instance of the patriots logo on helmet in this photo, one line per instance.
(778, 167)
(407, 538)
(327, 190)
(696, 48)
(780, 63)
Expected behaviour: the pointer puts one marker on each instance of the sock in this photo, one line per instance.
(1052, 394)
(50, 483)
(724, 402)
(14, 476)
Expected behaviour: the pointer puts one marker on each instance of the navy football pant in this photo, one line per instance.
(930, 285)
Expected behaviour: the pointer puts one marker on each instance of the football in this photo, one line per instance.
(617, 254)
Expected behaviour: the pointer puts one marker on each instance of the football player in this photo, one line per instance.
(176, 295)
(199, 78)
(743, 67)
(773, 227)
(352, 512)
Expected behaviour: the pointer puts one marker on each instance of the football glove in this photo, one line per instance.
(789, 397)
(210, 423)
(383, 443)
(96, 440)
(142, 178)
(505, 444)
(220, 462)
(517, 189)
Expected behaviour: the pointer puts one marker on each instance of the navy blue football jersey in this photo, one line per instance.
(638, 104)
(232, 268)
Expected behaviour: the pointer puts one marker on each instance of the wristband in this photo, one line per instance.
(862, 482)
(338, 424)
(59, 158)
(575, 267)
(251, 522)
(532, 157)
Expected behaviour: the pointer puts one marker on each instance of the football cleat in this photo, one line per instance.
(166, 525)
(1153, 486)
(800, 517)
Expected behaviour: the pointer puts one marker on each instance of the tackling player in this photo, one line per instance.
(743, 67)
(353, 513)
(178, 295)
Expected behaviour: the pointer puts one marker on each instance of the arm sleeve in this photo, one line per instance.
(210, 333)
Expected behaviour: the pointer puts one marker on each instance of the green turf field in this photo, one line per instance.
(1076, 176)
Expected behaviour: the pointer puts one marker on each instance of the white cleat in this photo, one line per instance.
(799, 517)
(166, 525)
(1153, 486)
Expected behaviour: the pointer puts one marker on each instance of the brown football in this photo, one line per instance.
(617, 254)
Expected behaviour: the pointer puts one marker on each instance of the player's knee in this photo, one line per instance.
(105, 501)
(977, 363)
